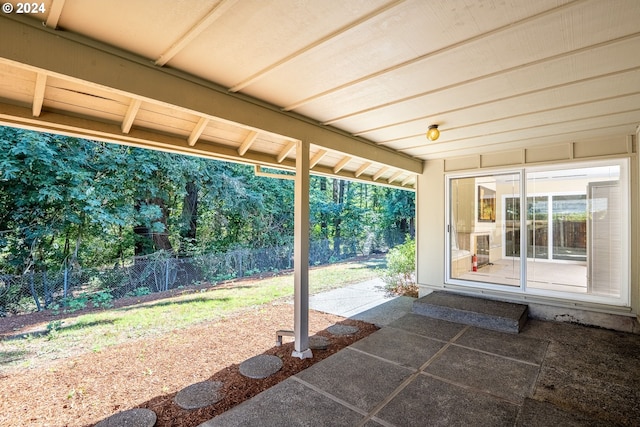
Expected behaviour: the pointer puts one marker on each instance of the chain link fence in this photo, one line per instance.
(162, 271)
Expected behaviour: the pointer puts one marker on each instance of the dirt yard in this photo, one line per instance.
(82, 390)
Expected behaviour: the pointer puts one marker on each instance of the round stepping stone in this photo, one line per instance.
(136, 417)
(318, 342)
(342, 330)
(260, 366)
(199, 395)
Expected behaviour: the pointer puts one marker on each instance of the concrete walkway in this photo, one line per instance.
(366, 301)
(418, 371)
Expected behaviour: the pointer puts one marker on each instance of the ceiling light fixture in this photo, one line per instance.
(433, 133)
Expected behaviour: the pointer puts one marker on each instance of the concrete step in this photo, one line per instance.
(483, 313)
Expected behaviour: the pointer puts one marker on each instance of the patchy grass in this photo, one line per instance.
(67, 336)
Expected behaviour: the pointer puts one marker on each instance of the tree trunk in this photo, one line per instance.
(190, 212)
(323, 222)
(338, 199)
(161, 240)
(142, 240)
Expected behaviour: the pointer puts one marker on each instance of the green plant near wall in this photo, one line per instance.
(399, 275)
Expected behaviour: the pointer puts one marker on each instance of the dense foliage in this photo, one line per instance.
(70, 201)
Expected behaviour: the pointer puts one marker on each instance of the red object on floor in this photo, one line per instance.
(474, 262)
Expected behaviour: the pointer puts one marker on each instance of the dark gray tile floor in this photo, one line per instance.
(424, 372)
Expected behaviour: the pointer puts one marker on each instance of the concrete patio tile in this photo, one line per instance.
(505, 378)
(399, 346)
(505, 344)
(594, 381)
(588, 337)
(610, 363)
(285, 404)
(428, 327)
(427, 401)
(359, 379)
(535, 413)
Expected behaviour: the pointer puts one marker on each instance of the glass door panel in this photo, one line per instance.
(566, 217)
(478, 223)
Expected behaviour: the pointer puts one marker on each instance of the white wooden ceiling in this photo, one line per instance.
(494, 75)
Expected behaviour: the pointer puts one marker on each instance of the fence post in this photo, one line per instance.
(66, 281)
(166, 275)
(33, 292)
(47, 295)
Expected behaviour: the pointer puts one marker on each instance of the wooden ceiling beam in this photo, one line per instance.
(317, 157)
(363, 168)
(407, 180)
(248, 142)
(55, 10)
(130, 115)
(342, 163)
(286, 151)
(197, 131)
(260, 74)
(381, 172)
(205, 22)
(38, 94)
(394, 176)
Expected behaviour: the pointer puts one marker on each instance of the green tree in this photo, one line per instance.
(55, 190)
(67, 200)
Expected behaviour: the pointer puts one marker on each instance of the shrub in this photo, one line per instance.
(138, 292)
(75, 304)
(399, 275)
(102, 299)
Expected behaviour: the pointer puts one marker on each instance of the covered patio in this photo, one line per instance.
(418, 371)
(520, 93)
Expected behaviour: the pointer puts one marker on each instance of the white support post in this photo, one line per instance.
(301, 253)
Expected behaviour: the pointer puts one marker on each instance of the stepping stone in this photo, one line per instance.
(136, 417)
(318, 342)
(342, 330)
(199, 395)
(261, 366)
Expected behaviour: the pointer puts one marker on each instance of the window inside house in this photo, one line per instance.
(571, 225)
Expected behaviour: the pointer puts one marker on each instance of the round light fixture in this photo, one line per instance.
(433, 133)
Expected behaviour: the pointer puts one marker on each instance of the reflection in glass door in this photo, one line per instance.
(569, 227)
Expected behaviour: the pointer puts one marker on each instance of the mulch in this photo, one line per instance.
(148, 373)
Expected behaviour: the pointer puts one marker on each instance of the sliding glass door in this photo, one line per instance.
(572, 224)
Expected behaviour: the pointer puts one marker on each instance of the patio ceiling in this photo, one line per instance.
(361, 80)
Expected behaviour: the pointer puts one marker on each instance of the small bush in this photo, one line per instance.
(399, 275)
(102, 299)
(75, 304)
(53, 329)
(138, 292)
